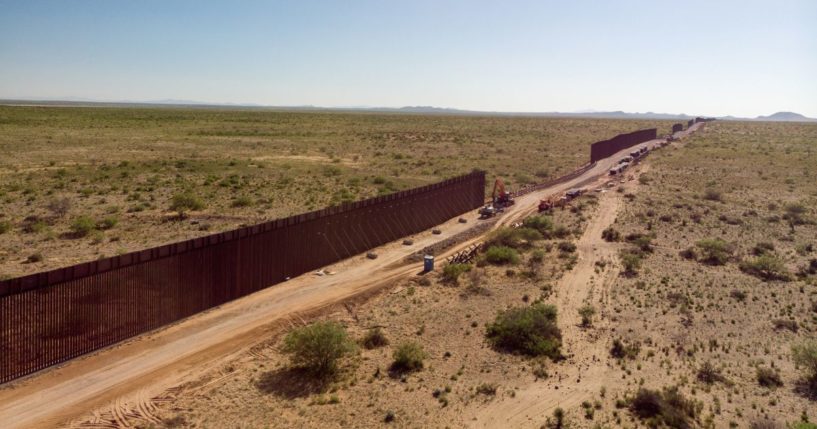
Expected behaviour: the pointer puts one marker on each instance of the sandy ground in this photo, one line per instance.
(149, 365)
(585, 370)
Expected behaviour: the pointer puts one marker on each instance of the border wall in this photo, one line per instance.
(51, 317)
(607, 148)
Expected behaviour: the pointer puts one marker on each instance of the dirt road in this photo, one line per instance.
(150, 364)
(584, 372)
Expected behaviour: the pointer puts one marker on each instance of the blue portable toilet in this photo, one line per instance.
(428, 263)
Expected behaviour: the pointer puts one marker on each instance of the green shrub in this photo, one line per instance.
(543, 224)
(620, 350)
(642, 241)
(611, 234)
(501, 255)
(669, 408)
(107, 223)
(452, 272)
(560, 231)
(182, 203)
(34, 258)
(5, 226)
(767, 267)
(82, 226)
(567, 246)
(558, 418)
(487, 389)
(389, 416)
(763, 248)
(375, 338)
(513, 237)
(318, 347)
(587, 312)
(712, 195)
(804, 356)
(631, 261)
(714, 251)
(795, 214)
(59, 206)
(409, 356)
(709, 374)
(527, 330)
(242, 201)
(768, 377)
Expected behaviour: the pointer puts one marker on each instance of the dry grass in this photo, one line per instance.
(712, 328)
(124, 167)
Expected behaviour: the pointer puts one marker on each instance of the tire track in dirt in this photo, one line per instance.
(187, 350)
(586, 369)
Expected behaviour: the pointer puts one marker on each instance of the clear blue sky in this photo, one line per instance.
(698, 57)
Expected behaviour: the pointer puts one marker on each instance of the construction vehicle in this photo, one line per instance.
(545, 205)
(500, 197)
(500, 200)
(553, 202)
(575, 192)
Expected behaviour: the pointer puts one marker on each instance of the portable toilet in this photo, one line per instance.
(428, 263)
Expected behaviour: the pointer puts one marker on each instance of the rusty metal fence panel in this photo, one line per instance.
(51, 317)
(569, 176)
(607, 148)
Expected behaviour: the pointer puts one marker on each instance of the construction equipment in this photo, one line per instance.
(575, 192)
(500, 199)
(560, 201)
(545, 205)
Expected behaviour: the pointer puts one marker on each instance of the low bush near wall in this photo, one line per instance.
(318, 347)
(452, 272)
(527, 330)
(501, 255)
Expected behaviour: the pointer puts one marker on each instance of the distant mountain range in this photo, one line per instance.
(786, 117)
(426, 110)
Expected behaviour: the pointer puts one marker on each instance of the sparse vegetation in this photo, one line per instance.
(452, 272)
(501, 255)
(668, 407)
(714, 251)
(487, 389)
(713, 195)
(621, 350)
(183, 203)
(768, 377)
(318, 347)
(375, 338)
(529, 330)
(409, 356)
(709, 374)
(611, 234)
(82, 226)
(767, 267)
(587, 312)
(804, 356)
(631, 261)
